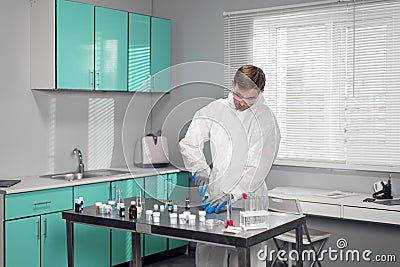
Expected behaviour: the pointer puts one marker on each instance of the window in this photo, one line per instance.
(333, 79)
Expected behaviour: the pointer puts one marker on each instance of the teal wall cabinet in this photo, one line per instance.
(78, 46)
(139, 53)
(160, 54)
(75, 45)
(121, 241)
(111, 49)
(92, 47)
(92, 244)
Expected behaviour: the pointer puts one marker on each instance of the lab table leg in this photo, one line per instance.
(70, 243)
(299, 245)
(136, 253)
(244, 257)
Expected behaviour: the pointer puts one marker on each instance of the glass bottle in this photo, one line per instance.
(170, 207)
(187, 204)
(133, 210)
(122, 210)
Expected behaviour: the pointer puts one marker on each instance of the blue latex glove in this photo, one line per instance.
(201, 179)
(216, 205)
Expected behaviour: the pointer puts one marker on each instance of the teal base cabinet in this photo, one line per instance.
(34, 231)
(36, 241)
(53, 241)
(156, 187)
(121, 241)
(22, 242)
(178, 190)
(92, 244)
(172, 186)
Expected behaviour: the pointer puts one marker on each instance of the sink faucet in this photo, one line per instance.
(81, 166)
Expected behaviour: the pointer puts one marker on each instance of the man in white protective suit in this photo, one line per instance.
(244, 139)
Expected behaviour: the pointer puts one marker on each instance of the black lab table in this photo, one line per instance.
(279, 223)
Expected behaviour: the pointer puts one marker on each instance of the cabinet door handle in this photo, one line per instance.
(98, 79)
(41, 203)
(38, 229)
(115, 192)
(45, 228)
(92, 78)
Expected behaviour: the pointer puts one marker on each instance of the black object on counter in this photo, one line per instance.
(8, 183)
(385, 193)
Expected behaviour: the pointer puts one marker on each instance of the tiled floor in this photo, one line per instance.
(179, 261)
(184, 261)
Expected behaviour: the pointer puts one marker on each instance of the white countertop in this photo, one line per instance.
(351, 206)
(34, 183)
(314, 195)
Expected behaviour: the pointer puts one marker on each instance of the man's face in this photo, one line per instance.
(244, 98)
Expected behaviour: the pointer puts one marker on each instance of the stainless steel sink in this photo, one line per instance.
(87, 174)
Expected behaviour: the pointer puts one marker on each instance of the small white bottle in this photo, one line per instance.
(173, 218)
(149, 215)
(192, 219)
(156, 217)
(182, 219)
(202, 215)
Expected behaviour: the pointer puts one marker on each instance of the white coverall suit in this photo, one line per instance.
(244, 145)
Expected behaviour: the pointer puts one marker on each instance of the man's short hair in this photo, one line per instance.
(249, 76)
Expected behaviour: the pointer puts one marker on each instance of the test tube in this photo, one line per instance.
(229, 221)
(262, 202)
(251, 202)
(229, 209)
(119, 196)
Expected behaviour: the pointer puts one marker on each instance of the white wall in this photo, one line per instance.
(197, 34)
(39, 130)
(197, 31)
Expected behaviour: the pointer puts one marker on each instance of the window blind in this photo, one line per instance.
(332, 79)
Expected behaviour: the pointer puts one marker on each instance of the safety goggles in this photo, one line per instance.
(247, 99)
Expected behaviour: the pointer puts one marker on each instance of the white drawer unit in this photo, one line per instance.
(313, 208)
(371, 215)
